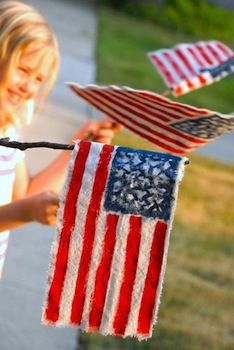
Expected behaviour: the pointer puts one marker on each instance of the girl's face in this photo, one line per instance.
(26, 79)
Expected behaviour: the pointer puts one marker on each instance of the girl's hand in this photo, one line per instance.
(98, 131)
(42, 207)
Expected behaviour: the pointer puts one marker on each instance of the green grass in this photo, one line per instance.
(197, 305)
(123, 44)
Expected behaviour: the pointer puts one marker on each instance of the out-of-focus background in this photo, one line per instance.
(106, 42)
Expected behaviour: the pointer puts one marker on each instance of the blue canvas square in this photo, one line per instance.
(141, 183)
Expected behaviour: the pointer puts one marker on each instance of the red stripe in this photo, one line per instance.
(130, 267)
(214, 53)
(156, 141)
(204, 55)
(226, 50)
(135, 122)
(189, 66)
(157, 107)
(89, 233)
(178, 90)
(182, 74)
(153, 111)
(118, 97)
(187, 110)
(185, 61)
(174, 64)
(103, 274)
(165, 72)
(152, 279)
(69, 215)
(196, 57)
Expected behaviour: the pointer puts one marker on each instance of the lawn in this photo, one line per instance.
(197, 305)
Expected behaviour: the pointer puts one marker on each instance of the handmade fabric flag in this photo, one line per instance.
(109, 257)
(186, 67)
(173, 126)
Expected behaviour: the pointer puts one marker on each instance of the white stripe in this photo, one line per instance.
(213, 59)
(76, 242)
(180, 170)
(168, 66)
(4, 238)
(181, 65)
(96, 258)
(147, 235)
(109, 105)
(123, 98)
(231, 53)
(59, 226)
(162, 107)
(190, 58)
(159, 68)
(116, 277)
(199, 55)
(220, 53)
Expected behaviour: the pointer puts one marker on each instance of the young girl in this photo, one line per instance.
(29, 58)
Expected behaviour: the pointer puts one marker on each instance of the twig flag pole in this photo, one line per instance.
(25, 145)
(42, 144)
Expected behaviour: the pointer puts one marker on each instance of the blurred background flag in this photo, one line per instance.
(109, 257)
(175, 127)
(187, 67)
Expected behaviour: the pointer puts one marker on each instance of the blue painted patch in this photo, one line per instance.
(141, 183)
(225, 68)
(208, 127)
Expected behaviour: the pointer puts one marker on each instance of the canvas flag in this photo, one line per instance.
(187, 67)
(109, 256)
(175, 127)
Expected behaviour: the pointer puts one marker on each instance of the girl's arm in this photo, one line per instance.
(41, 208)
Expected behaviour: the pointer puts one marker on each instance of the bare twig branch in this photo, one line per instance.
(25, 145)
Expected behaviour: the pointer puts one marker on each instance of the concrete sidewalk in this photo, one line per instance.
(24, 279)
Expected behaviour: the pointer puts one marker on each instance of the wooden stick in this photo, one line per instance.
(25, 145)
(165, 93)
(43, 144)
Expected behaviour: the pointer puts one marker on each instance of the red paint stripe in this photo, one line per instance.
(130, 267)
(225, 49)
(214, 53)
(163, 69)
(155, 140)
(185, 61)
(152, 279)
(153, 111)
(69, 215)
(175, 66)
(204, 54)
(160, 127)
(187, 110)
(196, 56)
(178, 90)
(189, 67)
(89, 233)
(155, 104)
(141, 125)
(103, 274)
(117, 101)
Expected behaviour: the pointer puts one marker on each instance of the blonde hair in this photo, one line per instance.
(20, 26)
